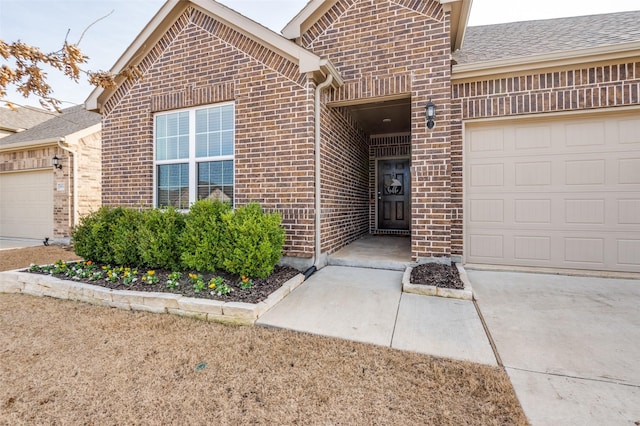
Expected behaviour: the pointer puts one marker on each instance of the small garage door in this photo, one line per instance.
(560, 193)
(26, 204)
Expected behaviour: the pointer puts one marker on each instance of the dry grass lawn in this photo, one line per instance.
(65, 362)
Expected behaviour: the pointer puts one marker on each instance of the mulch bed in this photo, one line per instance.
(437, 274)
(261, 289)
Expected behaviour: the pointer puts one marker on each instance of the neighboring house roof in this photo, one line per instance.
(22, 118)
(72, 120)
(172, 9)
(315, 9)
(561, 39)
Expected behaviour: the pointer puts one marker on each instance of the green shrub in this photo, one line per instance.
(124, 241)
(201, 239)
(159, 238)
(92, 237)
(253, 241)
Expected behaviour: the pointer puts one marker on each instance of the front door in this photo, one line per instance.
(394, 194)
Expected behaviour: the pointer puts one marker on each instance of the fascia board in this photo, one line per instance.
(18, 146)
(84, 132)
(306, 60)
(293, 28)
(547, 60)
(92, 102)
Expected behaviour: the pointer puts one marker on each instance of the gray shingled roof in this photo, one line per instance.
(70, 121)
(520, 39)
(23, 117)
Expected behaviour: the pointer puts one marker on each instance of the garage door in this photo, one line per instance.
(561, 193)
(26, 204)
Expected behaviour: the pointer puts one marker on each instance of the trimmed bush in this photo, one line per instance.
(159, 238)
(253, 241)
(210, 237)
(124, 241)
(92, 237)
(202, 236)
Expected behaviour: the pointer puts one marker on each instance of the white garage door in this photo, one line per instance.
(561, 193)
(26, 204)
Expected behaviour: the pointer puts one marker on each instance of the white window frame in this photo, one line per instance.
(192, 161)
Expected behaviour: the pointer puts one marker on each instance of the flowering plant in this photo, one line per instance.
(197, 282)
(150, 277)
(246, 283)
(173, 280)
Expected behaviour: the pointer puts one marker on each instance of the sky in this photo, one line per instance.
(46, 24)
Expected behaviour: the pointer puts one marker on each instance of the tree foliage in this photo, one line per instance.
(24, 68)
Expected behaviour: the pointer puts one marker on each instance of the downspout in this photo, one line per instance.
(318, 204)
(61, 143)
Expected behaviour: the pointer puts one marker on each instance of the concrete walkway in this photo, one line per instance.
(571, 345)
(367, 305)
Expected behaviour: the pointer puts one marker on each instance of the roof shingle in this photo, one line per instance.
(527, 38)
(23, 118)
(70, 121)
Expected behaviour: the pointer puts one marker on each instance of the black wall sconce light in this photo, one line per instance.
(56, 162)
(431, 114)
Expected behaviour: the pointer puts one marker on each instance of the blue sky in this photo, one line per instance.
(44, 23)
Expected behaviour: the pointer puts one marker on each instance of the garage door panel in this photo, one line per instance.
(562, 194)
(26, 204)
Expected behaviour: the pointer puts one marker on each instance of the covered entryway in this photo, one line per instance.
(26, 204)
(560, 192)
(387, 124)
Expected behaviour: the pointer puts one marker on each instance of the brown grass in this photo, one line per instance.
(64, 362)
(40, 255)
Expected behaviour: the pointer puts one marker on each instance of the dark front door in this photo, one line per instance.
(394, 194)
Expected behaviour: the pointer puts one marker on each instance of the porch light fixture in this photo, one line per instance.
(431, 114)
(56, 162)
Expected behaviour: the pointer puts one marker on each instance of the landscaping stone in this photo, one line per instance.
(235, 313)
(430, 290)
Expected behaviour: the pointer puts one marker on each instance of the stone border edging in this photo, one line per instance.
(430, 290)
(237, 313)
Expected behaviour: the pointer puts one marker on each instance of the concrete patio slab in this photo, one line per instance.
(442, 327)
(351, 303)
(375, 251)
(566, 339)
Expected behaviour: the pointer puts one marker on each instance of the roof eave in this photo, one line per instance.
(459, 11)
(293, 29)
(546, 60)
(30, 144)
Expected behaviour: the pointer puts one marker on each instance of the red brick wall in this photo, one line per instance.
(345, 180)
(401, 47)
(605, 85)
(200, 61)
(613, 84)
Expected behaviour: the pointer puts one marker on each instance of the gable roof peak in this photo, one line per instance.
(315, 9)
(167, 15)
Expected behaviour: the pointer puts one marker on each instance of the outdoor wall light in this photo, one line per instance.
(56, 162)
(431, 114)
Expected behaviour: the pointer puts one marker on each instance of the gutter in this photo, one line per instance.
(318, 183)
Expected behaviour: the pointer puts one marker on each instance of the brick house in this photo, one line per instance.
(39, 200)
(533, 159)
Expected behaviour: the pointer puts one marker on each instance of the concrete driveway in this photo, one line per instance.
(13, 243)
(571, 345)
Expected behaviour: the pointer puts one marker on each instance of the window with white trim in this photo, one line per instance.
(194, 155)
